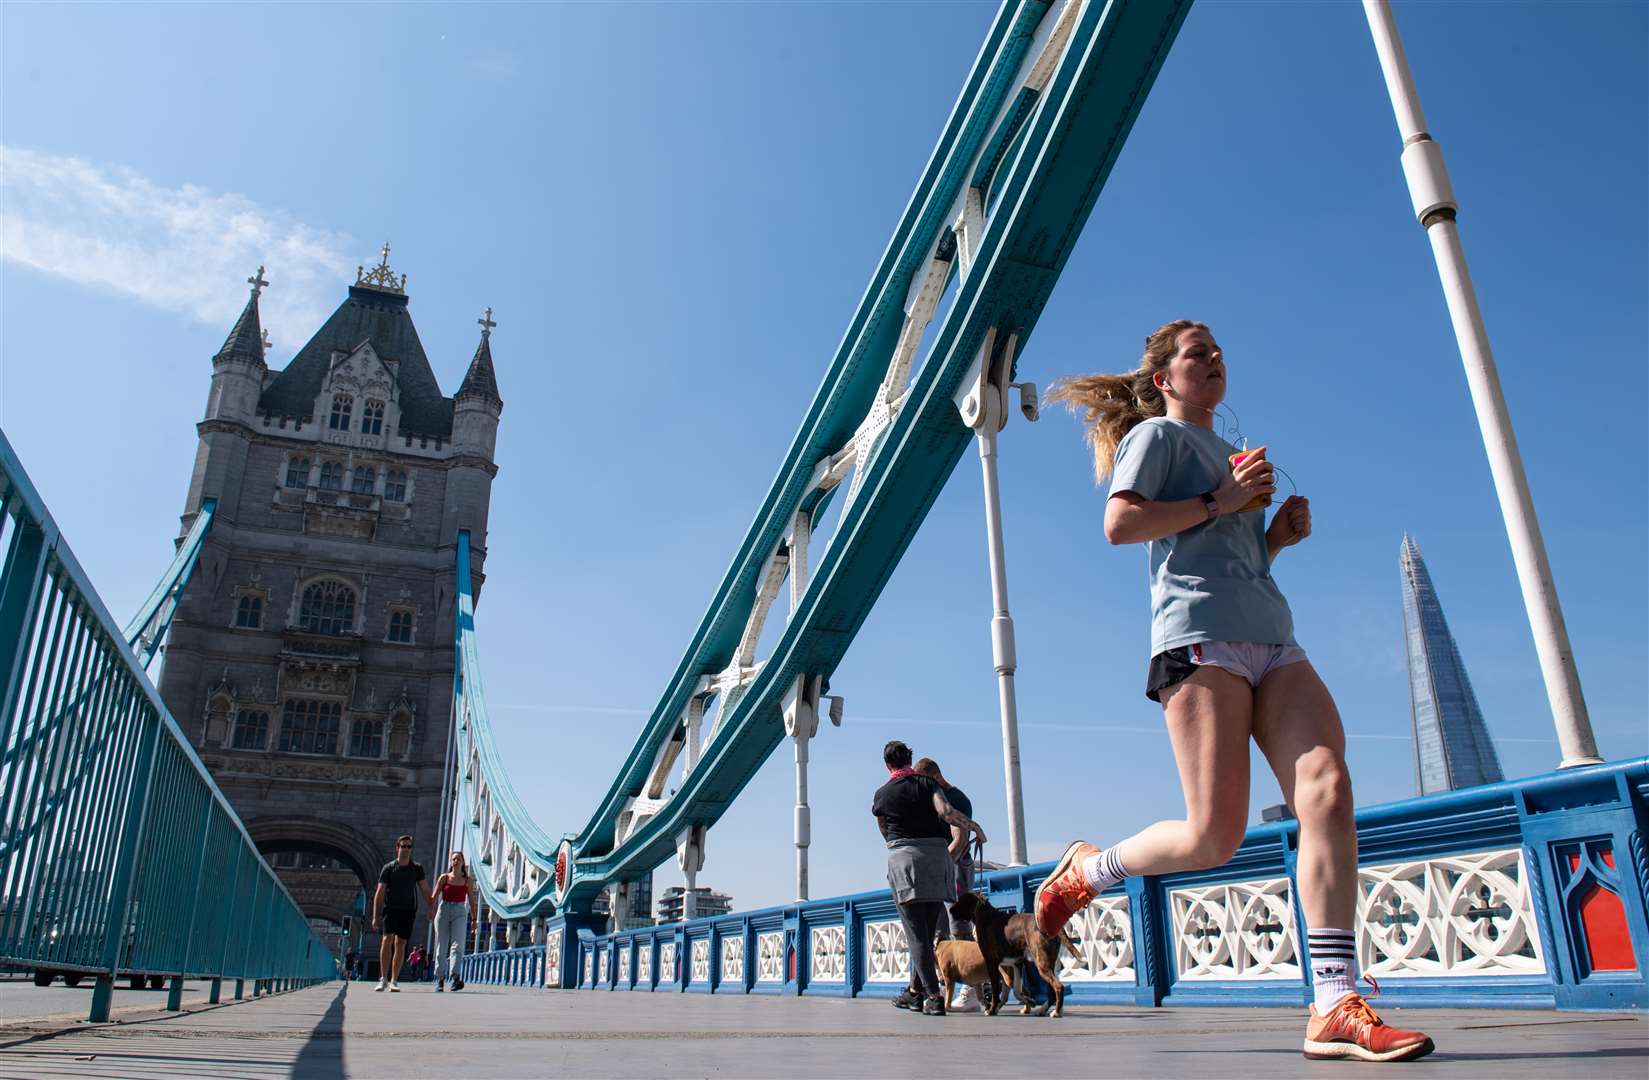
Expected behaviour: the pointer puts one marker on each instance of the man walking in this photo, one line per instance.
(396, 899)
(962, 855)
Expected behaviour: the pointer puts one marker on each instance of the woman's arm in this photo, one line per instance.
(1290, 525)
(1133, 519)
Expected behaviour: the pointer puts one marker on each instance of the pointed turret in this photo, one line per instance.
(480, 381)
(245, 341)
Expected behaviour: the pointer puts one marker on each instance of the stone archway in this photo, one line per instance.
(329, 868)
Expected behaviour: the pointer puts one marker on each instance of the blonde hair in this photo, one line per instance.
(1112, 405)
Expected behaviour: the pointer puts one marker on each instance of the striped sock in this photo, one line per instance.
(1333, 967)
(1104, 870)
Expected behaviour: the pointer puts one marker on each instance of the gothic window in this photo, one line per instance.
(297, 472)
(400, 626)
(249, 612)
(328, 608)
(342, 406)
(332, 475)
(395, 486)
(366, 478)
(366, 738)
(251, 729)
(310, 727)
(400, 734)
(372, 418)
(217, 719)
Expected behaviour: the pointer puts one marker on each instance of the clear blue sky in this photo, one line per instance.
(673, 210)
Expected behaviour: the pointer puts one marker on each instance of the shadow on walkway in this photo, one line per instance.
(322, 1057)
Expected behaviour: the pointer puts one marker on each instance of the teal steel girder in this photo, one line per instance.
(1054, 169)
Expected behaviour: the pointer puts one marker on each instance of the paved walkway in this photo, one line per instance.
(334, 1031)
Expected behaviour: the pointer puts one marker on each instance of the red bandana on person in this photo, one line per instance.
(900, 774)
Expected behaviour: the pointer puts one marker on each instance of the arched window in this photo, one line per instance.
(249, 611)
(400, 626)
(342, 406)
(297, 472)
(328, 608)
(372, 418)
(332, 475)
(366, 478)
(251, 729)
(366, 738)
(395, 486)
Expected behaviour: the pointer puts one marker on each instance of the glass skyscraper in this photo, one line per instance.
(1452, 748)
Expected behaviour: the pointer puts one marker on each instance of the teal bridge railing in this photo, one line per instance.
(1532, 893)
(119, 856)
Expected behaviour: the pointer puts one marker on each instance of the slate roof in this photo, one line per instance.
(480, 378)
(245, 341)
(381, 318)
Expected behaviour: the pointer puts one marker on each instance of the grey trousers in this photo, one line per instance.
(451, 927)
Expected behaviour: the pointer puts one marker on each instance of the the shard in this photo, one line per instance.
(1452, 748)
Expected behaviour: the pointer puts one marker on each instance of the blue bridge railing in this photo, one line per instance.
(118, 854)
(1529, 893)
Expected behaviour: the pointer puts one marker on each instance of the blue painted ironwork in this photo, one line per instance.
(118, 853)
(1581, 814)
(148, 627)
(516, 857)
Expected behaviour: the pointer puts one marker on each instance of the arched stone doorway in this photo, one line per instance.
(331, 871)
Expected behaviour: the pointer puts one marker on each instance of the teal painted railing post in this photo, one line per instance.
(20, 588)
(136, 819)
(194, 904)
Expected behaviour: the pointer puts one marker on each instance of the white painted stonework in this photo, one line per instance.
(1455, 915)
(827, 954)
(666, 963)
(552, 959)
(887, 958)
(1241, 930)
(1104, 933)
(644, 967)
(770, 957)
(732, 960)
(700, 971)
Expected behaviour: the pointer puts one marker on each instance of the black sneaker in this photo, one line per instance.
(457, 983)
(440, 985)
(910, 999)
(933, 1007)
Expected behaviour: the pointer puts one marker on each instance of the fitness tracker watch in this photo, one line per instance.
(1209, 504)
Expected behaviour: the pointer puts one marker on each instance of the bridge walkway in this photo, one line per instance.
(336, 1030)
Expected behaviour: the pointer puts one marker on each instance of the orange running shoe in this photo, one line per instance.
(1352, 1029)
(1066, 891)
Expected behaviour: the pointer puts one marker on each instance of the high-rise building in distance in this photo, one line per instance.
(1452, 748)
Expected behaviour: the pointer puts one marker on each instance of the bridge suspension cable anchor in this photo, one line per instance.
(801, 723)
(983, 403)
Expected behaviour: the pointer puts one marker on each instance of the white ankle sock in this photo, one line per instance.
(1333, 967)
(1103, 870)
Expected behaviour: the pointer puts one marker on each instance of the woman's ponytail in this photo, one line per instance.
(1112, 405)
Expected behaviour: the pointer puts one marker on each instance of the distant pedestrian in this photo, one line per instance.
(961, 853)
(915, 819)
(455, 894)
(396, 899)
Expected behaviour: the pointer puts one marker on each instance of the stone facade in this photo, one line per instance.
(311, 658)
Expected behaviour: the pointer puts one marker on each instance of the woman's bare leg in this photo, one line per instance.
(1298, 729)
(1209, 720)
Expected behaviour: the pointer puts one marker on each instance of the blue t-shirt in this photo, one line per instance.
(1211, 582)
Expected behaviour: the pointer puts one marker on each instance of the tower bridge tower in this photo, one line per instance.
(310, 660)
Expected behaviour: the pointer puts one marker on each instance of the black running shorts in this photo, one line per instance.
(1168, 669)
(398, 921)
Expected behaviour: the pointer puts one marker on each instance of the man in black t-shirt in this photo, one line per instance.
(397, 896)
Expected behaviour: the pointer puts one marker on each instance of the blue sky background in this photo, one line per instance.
(673, 210)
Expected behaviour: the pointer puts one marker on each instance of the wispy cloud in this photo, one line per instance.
(181, 249)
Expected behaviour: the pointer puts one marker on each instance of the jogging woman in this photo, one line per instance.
(1225, 667)
(456, 894)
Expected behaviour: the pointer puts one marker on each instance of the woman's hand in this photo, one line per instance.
(1290, 525)
(1252, 478)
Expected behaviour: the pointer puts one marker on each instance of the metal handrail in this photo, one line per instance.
(118, 852)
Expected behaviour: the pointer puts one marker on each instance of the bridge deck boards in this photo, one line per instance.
(329, 1032)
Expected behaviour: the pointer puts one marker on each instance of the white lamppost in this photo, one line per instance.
(1435, 206)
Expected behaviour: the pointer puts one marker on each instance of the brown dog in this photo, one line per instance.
(1014, 939)
(962, 963)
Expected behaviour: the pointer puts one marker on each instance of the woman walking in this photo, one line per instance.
(915, 819)
(457, 900)
(1225, 667)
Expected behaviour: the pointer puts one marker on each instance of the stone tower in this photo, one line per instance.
(311, 657)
